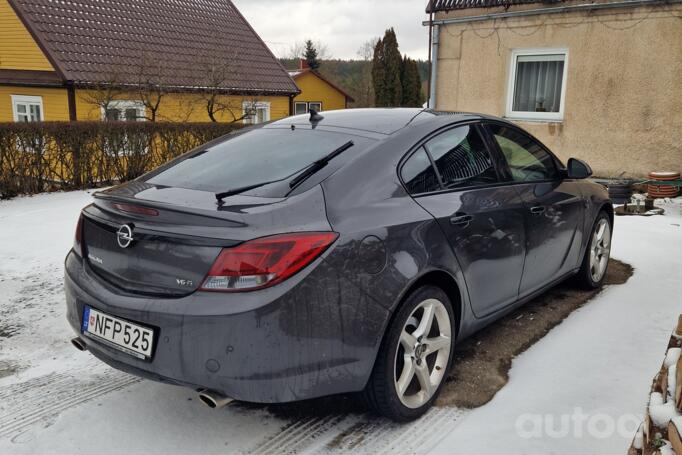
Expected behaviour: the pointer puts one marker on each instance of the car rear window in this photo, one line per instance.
(256, 156)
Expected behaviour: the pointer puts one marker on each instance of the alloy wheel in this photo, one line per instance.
(423, 353)
(600, 249)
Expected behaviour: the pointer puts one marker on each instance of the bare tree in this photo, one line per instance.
(365, 92)
(151, 83)
(217, 76)
(187, 106)
(104, 93)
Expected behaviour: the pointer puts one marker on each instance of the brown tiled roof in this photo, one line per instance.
(447, 5)
(181, 42)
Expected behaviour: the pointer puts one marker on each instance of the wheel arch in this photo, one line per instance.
(608, 208)
(447, 283)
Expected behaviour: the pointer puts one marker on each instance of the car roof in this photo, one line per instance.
(376, 120)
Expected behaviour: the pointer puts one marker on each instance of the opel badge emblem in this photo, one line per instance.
(124, 236)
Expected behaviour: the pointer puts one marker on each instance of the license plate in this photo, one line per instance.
(130, 338)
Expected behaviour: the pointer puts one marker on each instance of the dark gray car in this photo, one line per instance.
(321, 255)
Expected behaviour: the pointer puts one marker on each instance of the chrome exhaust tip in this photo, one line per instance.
(214, 400)
(79, 344)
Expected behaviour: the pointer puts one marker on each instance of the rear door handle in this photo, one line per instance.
(461, 220)
(537, 210)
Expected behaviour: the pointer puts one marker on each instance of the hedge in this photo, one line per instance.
(46, 156)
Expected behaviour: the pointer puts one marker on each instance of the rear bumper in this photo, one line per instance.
(294, 341)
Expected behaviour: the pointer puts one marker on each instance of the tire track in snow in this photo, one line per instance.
(366, 434)
(299, 434)
(39, 399)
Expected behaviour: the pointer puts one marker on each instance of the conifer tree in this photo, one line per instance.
(379, 75)
(311, 55)
(393, 95)
(411, 84)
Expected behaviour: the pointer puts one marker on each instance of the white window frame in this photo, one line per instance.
(315, 102)
(123, 105)
(511, 83)
(307, 106)
(297, 103)
(27, 100)
(258, 105)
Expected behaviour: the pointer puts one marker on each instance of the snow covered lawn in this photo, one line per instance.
(589, 374)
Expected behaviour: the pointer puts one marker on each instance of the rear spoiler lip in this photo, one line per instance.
(220, 213)
(181, 239)
(242, 218)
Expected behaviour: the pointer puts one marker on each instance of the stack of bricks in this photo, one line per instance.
(661, 431)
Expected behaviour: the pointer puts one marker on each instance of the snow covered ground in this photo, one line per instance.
(589, 374)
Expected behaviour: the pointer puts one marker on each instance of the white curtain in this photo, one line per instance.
(538, 83)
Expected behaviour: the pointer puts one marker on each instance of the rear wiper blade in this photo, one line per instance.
(242, 189)
(319, 164)
(305, 174)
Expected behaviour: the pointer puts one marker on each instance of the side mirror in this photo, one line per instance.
(578, 169)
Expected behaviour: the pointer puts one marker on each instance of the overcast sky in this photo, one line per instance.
(343, 25)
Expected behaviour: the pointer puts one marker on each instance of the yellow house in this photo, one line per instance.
(166, 60)
(317, 92)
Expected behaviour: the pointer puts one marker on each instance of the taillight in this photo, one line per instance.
(266, 261)
(78, 239)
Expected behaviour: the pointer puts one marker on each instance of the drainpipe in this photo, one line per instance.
(71, 100)
(435, 37)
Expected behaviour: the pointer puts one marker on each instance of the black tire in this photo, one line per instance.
(380, 393)
(584, 278)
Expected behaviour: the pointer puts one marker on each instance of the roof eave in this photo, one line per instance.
(237, 91)
(31, 78)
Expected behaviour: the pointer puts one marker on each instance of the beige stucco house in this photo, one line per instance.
(597, 80)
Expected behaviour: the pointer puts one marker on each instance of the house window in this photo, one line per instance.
(256, 112)
(537, 84)
(128, 111)
(27, 108)
(303, 107)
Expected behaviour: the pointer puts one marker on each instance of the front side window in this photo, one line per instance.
(462, 158)
(527, 160)
(418, 174)
(27, 108)
(123, 110)
(536, 84)
(256, 112)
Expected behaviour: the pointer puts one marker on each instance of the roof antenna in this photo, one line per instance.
(315, 116)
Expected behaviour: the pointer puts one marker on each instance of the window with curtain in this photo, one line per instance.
(537, 84)
(256, 112)
(124, 110)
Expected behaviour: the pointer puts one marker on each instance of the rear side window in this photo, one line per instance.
(462, 158)
(419, 175)
(527, 160)
(257, 156)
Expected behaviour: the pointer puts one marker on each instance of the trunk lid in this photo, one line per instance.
(150, 240)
